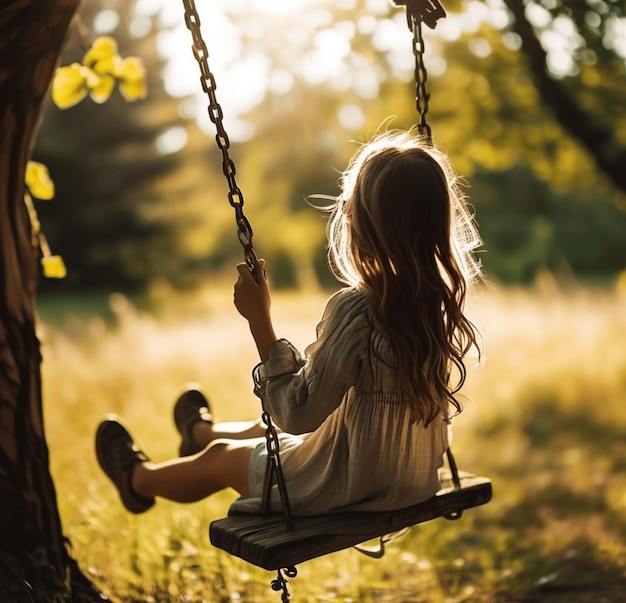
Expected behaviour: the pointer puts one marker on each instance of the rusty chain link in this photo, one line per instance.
(216, 115)
(418, 12)
(421, 77)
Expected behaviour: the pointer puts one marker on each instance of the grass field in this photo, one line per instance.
(545, 419)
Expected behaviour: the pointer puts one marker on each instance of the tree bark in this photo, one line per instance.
(593, 136)
(34, 562)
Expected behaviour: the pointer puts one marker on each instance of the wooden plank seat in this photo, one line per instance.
(267, 543)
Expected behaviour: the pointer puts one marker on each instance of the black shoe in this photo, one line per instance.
(191, 407)
(117, 455)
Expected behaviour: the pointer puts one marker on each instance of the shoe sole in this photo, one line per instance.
(132, 503)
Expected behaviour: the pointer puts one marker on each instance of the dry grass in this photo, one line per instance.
(545, 419)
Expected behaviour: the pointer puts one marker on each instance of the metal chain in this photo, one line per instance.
(421, 77)
(235, 196)
(280, 582)
(418, 12)
(244, 233)
(273, 470)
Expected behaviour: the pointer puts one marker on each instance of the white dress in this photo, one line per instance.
(346, 441)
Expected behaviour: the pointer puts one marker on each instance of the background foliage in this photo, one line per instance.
(135, 208)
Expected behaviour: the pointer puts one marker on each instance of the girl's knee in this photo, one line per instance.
(230, 460)
(217, 447)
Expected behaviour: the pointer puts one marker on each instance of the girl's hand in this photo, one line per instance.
(252, 300)
(252, 297)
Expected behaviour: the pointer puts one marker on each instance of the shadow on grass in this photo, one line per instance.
(556, 527)
(579, 579)
(549, 424)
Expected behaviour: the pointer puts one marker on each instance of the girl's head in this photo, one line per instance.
(400, 215)
(401, 230)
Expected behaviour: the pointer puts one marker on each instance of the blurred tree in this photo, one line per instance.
(320, 75)
(541, 88)
(34, 562)
(487, 110)
(589, 101)
(108, 220)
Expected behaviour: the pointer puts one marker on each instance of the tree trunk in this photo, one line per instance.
(597, 139)
(34, 562)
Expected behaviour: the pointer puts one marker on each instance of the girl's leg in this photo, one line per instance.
(203, 433)
(222, 464)
(194, 421)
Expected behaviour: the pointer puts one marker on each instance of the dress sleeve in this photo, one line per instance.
(300, 392)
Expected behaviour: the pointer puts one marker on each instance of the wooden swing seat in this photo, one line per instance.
(267, 543)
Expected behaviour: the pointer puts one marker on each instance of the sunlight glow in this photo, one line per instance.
(537, 15)
(480, 47)
(367, 81)
(449, 30)
(351, 117)
(106, 21)
(310, 46)
(475, 13)
(171, 141)
(262, 48)
(497, 14)
(560, 45)
(139, 27)
(378, 8)
(278, 7)
(280, 81)
(615, 37)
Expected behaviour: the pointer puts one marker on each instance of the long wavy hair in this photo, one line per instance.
(401, 230)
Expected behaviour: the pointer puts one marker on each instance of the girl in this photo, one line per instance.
(364, 413)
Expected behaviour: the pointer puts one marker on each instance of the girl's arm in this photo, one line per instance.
(252, 300)
(300, 393)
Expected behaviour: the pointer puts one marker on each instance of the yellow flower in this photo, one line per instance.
(102, 56)
(53, 266)
(38, 181)
(102, 67)
(101, 87)
(132, 76)
(69, 86)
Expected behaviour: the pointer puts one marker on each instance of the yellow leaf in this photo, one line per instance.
(101, 89)
(53, 266)
(102, 55)
(38, 181)
(132, 76)
(69, 86)
(92, 79)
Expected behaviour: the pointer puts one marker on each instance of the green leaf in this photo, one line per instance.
(38, 181)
